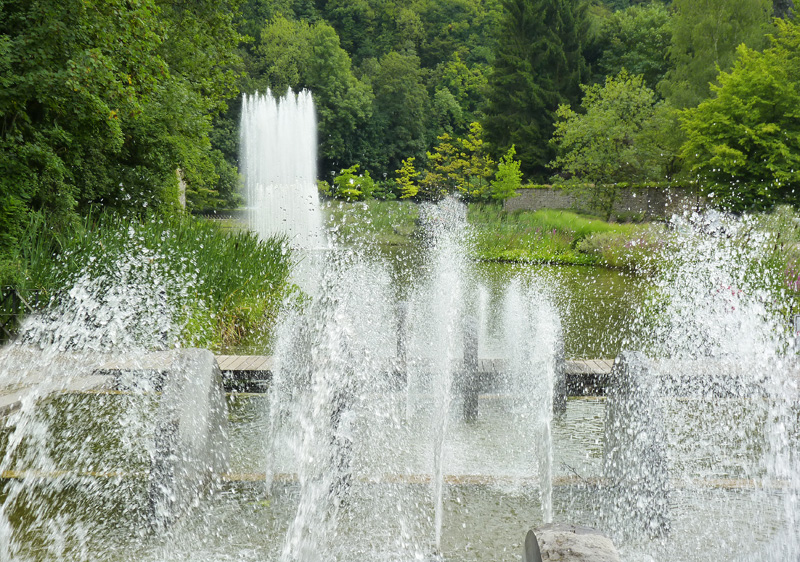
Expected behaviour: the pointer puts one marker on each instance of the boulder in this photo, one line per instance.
(570, 543)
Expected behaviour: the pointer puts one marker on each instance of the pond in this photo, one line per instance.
(93, 503)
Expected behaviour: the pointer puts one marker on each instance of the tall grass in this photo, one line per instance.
(225, 287)
(382, 222)
(547, 235)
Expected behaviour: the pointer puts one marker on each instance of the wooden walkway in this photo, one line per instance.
(584, 377)
(263, 364)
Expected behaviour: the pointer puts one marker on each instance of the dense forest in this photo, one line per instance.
(116, 102)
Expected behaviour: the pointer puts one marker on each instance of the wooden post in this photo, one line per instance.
(470, 377)
(635, 458)
(560, 379)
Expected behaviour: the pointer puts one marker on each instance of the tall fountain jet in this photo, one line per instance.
(279, 155)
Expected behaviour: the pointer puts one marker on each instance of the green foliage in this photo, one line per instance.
(508, 178)
(611, 141)
(538, 65)
(300, 55)
(464, 28)
(351, 186)
(229, 286)
(459, 94)
(103, 101)
(705, 36)
(401, 110)
(407, 176)
(744, 142)
(546, 236)
(459, 166)
(636, 39)
(368, 28)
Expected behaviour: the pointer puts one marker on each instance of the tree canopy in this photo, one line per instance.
(607, 142)
(705, 36)
(102, 101)
(119, 103)
(743, 143)
(538, 65)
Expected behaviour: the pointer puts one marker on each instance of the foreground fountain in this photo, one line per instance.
(409, 416)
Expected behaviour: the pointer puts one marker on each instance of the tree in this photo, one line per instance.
(102, 101)
(460, 90)
(538, 65)
(743, 143)
(367, 28)
(783, 8)
(300, 55)
(465, 28)
(705, 36)
(508, 178)
(406, 178)
(401, 110)
(350, 185)
(636, 39)
(604, 145)
(459, 166)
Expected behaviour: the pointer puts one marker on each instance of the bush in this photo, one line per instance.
(633, 250)
(542, 236)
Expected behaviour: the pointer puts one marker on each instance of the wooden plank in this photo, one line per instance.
(224, 361)
(265, 364)
(600, 367)
(248, 362)
(258, 363)
(235, 364)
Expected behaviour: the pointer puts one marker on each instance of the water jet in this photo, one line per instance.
(369, 446)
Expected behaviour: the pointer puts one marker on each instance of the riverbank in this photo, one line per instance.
(554, 237)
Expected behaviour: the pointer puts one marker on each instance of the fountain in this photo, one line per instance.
(279, 156)
(710, 403)
(403, 424)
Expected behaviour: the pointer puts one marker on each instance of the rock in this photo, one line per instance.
(569, 543)
(532, 553)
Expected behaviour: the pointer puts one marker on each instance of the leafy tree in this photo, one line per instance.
(508, 178)
(637, 39)
(705, 36)
(744, 142)
(783, 8)
(538, 65)
(351, 185)
(103, 101)
(400, 109)
(446, 112)
(367, 28)
(606, 144)
(255, 12)
(464, 28)
(74, 74)
(459, 166)
(300, 55)
(460, 89)
(406, 178)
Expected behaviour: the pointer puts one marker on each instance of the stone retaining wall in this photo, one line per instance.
(647, 203)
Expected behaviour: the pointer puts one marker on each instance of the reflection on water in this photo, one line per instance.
(597, 304)
(484, 520)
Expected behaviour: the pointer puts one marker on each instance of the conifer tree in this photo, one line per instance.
(538, 65)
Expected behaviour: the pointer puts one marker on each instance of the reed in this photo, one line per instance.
(226, 287)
